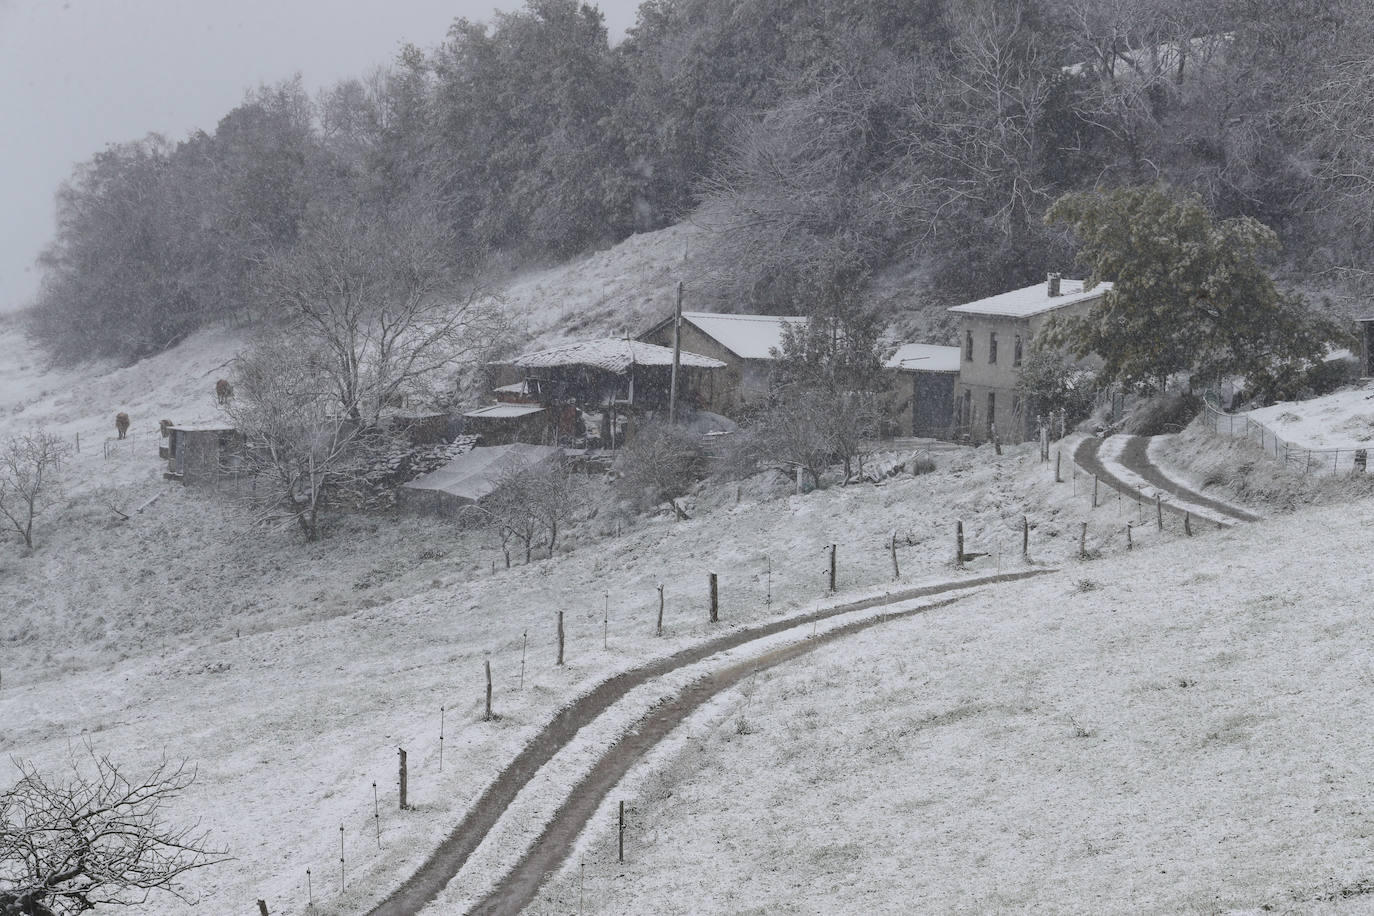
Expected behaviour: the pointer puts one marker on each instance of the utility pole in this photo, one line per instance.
(677, 357)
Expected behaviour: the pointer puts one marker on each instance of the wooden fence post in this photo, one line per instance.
(487, 717)
(1094, 491)
(832, 568)
(892, 545)
(1083, 542)
(560, 638)
(715, 600)
(1159, 513)
(1188, 524)
(402, 752)
(1058, 457)
(1129, 545)
(959, 544)
(658, 631)
(262, 908)
(1025, 537)
(620, 854)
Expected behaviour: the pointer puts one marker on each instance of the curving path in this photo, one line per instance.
(1135, 457)
(519, 887)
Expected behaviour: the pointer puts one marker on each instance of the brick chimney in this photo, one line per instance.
(1052, 282)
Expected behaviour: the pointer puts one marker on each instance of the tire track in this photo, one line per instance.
(1135, 456)
(521, 885)
(444, 863)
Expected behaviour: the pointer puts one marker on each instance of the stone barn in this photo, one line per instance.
(743, 343)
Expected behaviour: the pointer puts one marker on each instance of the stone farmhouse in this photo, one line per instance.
(995, 335)
(744, 343)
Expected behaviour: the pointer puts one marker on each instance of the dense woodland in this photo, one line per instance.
(821, 142)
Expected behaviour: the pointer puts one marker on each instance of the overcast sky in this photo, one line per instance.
(77, 74)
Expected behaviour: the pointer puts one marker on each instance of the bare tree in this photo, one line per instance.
(974, 143)
(789, 434)
(795, 207)
(659, 464)
(379, 293)
(29, 483)
(828, 383)
(1138, 60)
(96, 837)
(529, 504)
(298, 444)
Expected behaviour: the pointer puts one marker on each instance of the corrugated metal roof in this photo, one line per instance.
(746, 336)
(925, 358)
(612, 354)
(475, 474)
(503, 411)
(1032, 300)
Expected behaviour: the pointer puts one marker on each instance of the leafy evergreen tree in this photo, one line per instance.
(1190, 293)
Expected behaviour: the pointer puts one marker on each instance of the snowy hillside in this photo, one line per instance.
(1343, 419)
(1196, 669)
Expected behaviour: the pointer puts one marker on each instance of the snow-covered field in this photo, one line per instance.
(289, 674)
(1343, 419)
(1181, 730)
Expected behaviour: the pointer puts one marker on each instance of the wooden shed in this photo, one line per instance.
(203, 454)
(503, 423)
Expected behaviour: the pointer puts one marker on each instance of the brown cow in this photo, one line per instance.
(223, 390)
(122, 423)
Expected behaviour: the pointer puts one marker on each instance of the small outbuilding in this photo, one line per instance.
(924, 377)
(204, 454)
(503, 423)
(471, 477)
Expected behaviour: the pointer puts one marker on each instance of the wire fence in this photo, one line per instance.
(1296, 458)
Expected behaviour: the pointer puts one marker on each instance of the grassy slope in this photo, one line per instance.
(259, 659)
(1189, 736)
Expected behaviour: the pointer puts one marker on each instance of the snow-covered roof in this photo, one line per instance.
(208, 426)
(503, 411)
(475, 474)
(519, 387)
(746, 336)
(614, 354)
(1032, 300)
(925, 358)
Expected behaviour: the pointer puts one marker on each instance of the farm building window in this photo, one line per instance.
(992, 347)
(1016, 351)
(968, 346)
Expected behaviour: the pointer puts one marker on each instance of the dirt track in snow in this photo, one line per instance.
(1136, 457)
(519, 886)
